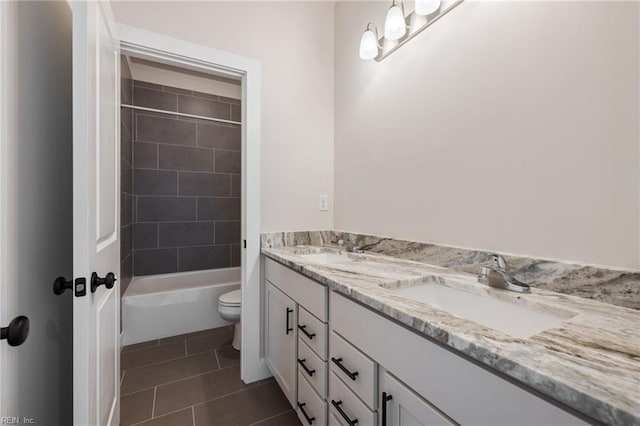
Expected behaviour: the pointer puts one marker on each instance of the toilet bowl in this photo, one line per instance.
(229, 308)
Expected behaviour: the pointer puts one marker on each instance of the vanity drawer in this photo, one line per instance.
(345, 406)
(333, 420)
(311, 409)
(310, 294)
(313, 332)
(316, 369)
(354, 368)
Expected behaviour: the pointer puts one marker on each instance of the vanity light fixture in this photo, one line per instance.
(427, 7)
(369, 46)
(395, 25)
(396, 29)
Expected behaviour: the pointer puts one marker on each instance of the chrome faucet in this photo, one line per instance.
(499, 276)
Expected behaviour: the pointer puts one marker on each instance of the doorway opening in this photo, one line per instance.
(226, 198)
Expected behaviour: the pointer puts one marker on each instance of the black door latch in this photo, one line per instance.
(60, 285)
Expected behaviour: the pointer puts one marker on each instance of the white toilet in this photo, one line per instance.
(229, 307)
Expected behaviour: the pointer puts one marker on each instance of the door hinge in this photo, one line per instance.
(245, 243)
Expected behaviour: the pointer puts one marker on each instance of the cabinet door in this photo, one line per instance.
(400, 406)
(280, 341)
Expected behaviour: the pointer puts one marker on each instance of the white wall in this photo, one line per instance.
(294, 42)
(509, 126)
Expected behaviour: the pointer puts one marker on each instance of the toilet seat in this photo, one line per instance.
(231, 299)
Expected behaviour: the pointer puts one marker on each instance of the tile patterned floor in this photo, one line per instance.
(194, 380)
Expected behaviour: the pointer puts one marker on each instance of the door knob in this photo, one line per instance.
(108, 281)
(17, 332)
(61, 284)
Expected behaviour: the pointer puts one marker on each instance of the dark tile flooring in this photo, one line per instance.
(194, 380)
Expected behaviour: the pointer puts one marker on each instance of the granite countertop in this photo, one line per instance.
(590, 362)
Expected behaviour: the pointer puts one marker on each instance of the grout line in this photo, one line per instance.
(208, 400)
(208, 331)
(155, 345)
(184, 247)
(153, 409)
(186, 350)
(252, 386)
(155, 363)
(153, 418)
(202, 147)
(202, 373)
(201, 172)
(217, 359)
(193, 415)
(269, 418)
(185, 196)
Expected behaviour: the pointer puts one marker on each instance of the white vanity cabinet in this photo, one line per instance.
(341, 363)
(401, 406)
(280, 342)
(433, 382)
(296, 334)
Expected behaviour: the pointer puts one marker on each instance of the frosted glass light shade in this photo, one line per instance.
(427, 7)
(394, 25)
(368, 45)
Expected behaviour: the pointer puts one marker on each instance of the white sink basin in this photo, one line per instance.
(509, 318)
(325, 258)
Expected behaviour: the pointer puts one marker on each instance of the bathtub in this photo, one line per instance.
(157, 306)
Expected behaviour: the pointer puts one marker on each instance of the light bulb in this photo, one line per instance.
(394, 25)
(427, 7)
(368, 44)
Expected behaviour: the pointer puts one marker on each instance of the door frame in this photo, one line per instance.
(172, 51)
(6, 295)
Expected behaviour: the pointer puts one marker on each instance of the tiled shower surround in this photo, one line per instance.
(186, 182)
(126, 180)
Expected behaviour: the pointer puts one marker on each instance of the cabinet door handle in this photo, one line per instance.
(289, 329)
(303, 328)
(338, 361)
(385, 398)
(305, 368)
(342, 413)
(304, 413)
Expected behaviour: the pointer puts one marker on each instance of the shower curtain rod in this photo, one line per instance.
(181, 114)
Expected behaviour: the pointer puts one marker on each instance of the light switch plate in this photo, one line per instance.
(323, 204)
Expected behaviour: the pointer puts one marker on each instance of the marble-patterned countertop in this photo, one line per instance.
(591, 362)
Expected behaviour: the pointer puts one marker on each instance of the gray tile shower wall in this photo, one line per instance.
(186, 182)
(126, 178)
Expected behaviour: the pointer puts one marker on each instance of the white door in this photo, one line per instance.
(400, 406)
(36, 222)
(280, 339)
(96, 187)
